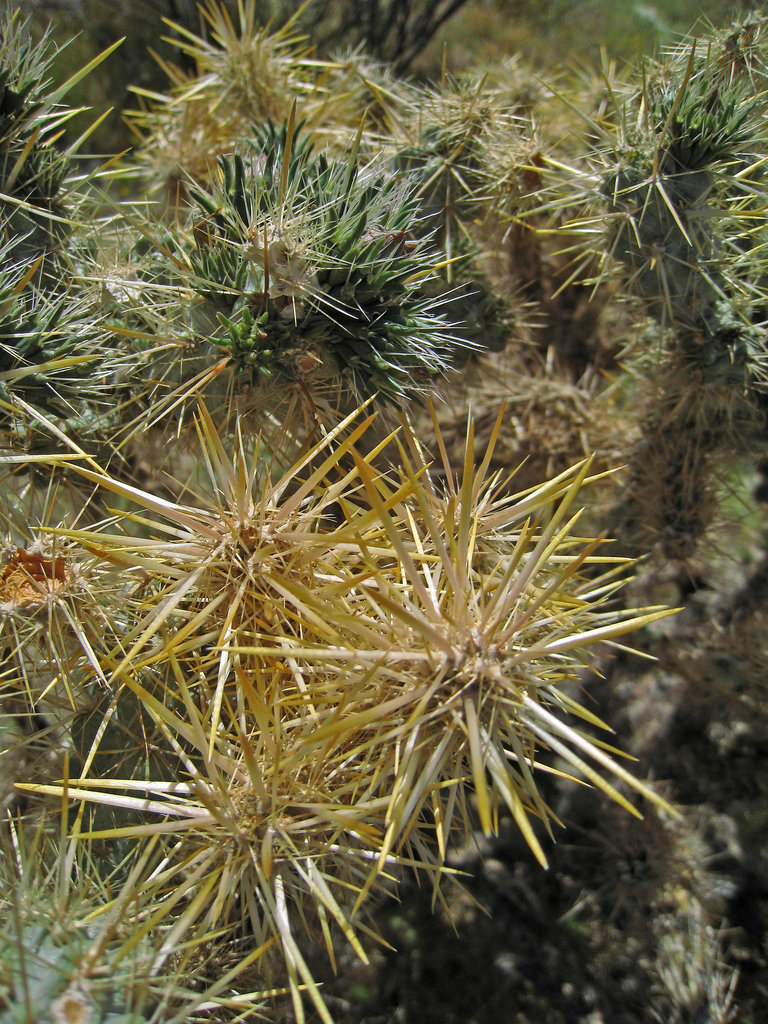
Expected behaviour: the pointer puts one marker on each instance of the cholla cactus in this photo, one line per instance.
(678, 175)
(445, 141)
(693, 979)
(73, 949)
(419, 208)
(683, 199)
(337, 663)
(49, 346)
(309, 283)
(245, 74)
(36, 172)
(470, 155)
(49, 338)
(321, 657)
(485, 636)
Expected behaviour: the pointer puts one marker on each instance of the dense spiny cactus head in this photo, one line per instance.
(34, 165)
(49, 339)
(49, 343)
(678, 164)
(230, 572)
(673, 204)
(38, 588)
(351, 86)
(33, 169)
(267, 836)
(230, 612)
(309, 276)
(65, 348)
(246, 67)
(466, 151)
(685, 192)
(497, 618)
(446, 140)
(245, 73)
(56, 630)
